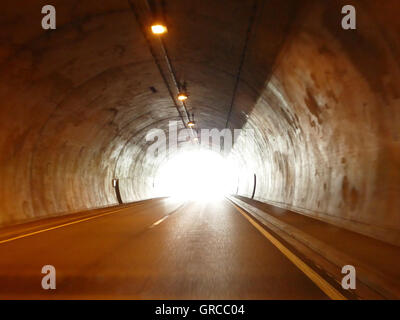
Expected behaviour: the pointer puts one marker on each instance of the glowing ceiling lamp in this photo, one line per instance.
(182, 96)
(191, 124)
(158, 28)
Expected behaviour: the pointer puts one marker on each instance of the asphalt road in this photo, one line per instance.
(153, 251)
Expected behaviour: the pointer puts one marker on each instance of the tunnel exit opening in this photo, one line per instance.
(197, 174)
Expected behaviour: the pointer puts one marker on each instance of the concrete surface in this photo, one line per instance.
(326, 123)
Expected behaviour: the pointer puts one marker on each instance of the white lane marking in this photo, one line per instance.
(165, 217)
(159, 221)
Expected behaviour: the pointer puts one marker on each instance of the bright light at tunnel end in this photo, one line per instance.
(201, 175)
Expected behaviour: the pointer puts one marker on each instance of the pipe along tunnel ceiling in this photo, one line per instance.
(323, 103)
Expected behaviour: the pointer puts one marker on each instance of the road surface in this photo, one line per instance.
(154, 250)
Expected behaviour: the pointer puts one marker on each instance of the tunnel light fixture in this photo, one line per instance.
(182, 96)
(191, 124)
(158, 28)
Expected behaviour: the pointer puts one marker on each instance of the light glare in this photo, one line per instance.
(158, 29)
(196, 175)
(182, 97)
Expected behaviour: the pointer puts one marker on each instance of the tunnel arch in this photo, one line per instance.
(322, 105)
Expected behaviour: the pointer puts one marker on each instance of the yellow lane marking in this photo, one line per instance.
(60, 226)
(330, 291)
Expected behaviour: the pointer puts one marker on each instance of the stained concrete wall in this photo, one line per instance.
(323, 103)
(326, 125)
(75, 105)
(77, 102)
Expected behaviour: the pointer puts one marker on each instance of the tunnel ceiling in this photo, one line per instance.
(80, 98)
(78, 101)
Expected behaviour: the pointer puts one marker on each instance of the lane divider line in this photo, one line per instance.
(159, 221)
(60, 226)
(166, 216)
(328, 289)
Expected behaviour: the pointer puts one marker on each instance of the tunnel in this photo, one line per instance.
(312, 110)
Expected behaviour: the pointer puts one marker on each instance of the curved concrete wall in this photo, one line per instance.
(76, 103)
(323, 104)
(327, 139)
